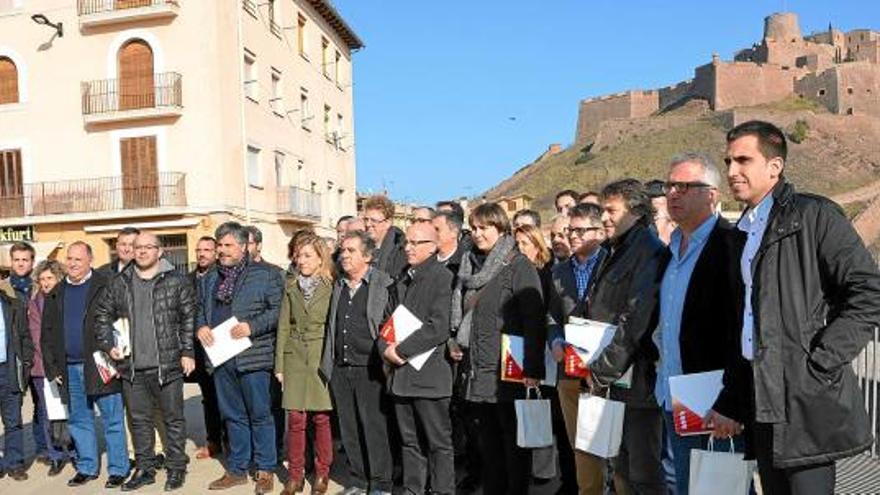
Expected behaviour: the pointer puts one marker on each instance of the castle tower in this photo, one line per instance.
(782, 26)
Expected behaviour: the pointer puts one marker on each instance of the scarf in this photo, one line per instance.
(469, 283)
(228, 276)
(22, 285)
(308, 285)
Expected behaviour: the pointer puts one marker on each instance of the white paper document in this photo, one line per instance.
(122, 335)
(401, 325)
(590, 337)
(692, 397)
(225, 347)
(55, 408)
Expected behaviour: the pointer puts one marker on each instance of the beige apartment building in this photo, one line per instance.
(173, 116)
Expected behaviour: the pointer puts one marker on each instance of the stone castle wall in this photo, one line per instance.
(628, 105)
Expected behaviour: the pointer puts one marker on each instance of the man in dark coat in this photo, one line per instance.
(389, 256)
(158, 306)
(250, 292)
(812, 300)
(16, 357)
(421, 396)
(68, 343)
(700, 296)
(124, 252)
(623, 292)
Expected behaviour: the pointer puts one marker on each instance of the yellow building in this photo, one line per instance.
(173, 116)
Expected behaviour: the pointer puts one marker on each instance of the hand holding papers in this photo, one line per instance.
(513, 361)
(692, 397)
(225, 347)
(105, 366)
(585, 340)
(401, 325)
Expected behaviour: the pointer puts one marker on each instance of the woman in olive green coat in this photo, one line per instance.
(297, 356)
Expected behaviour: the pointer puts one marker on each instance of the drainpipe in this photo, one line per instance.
(244, 161)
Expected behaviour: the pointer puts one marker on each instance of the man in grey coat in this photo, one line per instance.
(351, 364)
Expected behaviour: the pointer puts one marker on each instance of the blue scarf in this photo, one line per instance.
(22, 285)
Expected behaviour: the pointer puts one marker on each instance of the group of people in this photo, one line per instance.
(782, 301)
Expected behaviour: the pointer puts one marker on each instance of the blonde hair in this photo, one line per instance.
(327, 269)
(537, 239)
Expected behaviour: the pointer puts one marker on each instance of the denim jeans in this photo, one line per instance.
(10, 409)
(681, 451)
(245, 404)
(81, 423)
(41, 427)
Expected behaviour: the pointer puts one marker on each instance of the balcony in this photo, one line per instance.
(295, 203)
(94, 13)
(135, 98)
(96, 195)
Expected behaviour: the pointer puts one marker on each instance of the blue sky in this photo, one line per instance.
(439, 81)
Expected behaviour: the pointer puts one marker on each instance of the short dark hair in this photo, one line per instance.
(588, 193)
(634, 195)
(368, 245)
(771, 139)
(534, 215)
(454, 221)
(128, 231)
(252, 230)
(344, 218)
(22, 246)
(455, 207)
(589, 211)
(565, 192)
(654, 188)
(85, 245)
(206, 238)
(491, 214)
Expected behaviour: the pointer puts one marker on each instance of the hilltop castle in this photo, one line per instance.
(839, 70)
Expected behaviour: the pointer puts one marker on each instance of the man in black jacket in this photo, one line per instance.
(623, 292)
(421, 396)
(389, 256)
(16, 357)
(68, 343)
(124, 252)
(812, 300)
(700, 294)
(156, 307)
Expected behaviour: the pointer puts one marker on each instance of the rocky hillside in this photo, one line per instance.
(837, 155)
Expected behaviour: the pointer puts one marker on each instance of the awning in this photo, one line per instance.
(45, 250)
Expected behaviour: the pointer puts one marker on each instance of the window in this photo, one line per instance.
(324, 49)
(8, 80)
(251, 81)
(276, 102)
(822, 92)
(11, 184)
(336, 61)
(304, 111)
(253, 166)
(301, 36)
(279, 169)
(273, 25)
(340, 128)
(327, 121)
(849, 91)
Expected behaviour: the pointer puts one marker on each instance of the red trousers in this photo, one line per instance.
(296, 443)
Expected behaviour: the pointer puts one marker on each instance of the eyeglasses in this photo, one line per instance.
(580, 231)
(684, 187)
(374, 220)
(148, 247)
(421, 220)
(417, 243)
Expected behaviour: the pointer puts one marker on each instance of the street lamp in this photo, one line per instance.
(44, 21)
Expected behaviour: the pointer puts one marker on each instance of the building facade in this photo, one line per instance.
(174, 116)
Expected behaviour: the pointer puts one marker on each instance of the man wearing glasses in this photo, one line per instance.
(159, 305)
(570, 280)
(700, 293)
(389, 256)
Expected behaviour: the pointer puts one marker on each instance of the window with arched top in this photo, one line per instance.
(8, 81)
(135, 75)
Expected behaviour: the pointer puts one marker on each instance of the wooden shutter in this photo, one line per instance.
(11, 184)
(140, 177)
(136, 89)
(130, 4)
(8, 81)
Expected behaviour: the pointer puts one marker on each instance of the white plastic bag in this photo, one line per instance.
(534, 426)
(719, 473)
(599, 425)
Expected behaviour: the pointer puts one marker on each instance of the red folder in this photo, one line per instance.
(574, 361)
